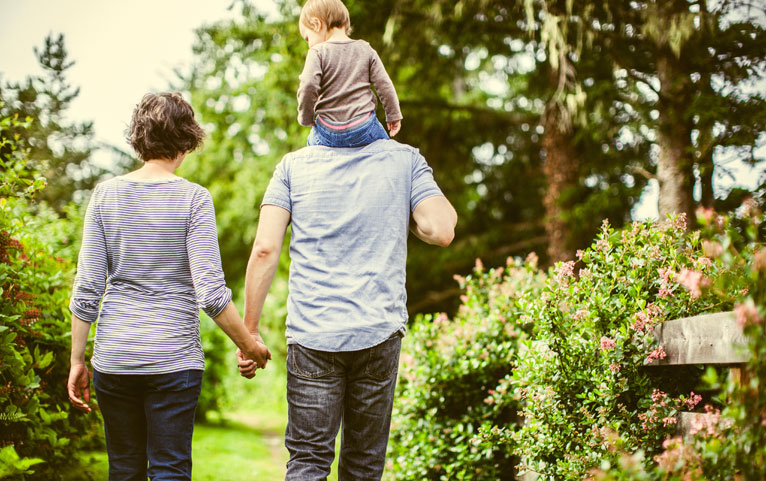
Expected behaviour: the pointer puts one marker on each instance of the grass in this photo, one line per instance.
(234, 451)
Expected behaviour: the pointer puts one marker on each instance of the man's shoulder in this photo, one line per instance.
(386, 147)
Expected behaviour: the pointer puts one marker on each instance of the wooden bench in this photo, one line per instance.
(709, 339)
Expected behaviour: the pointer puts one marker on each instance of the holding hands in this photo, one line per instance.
(254, 359)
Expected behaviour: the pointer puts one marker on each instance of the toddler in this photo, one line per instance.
(334, 96)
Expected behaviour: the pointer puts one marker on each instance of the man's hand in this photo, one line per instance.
(394, 127)
(249, 362)
(78, 387)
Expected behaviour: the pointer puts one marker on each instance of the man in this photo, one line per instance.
(346, 310)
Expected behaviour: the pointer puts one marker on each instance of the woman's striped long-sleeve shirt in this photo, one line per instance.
(149, 261)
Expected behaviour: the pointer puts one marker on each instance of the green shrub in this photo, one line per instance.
(450, 371)
(731, 443)
(584, 381)
(565, 350)
(39, 432)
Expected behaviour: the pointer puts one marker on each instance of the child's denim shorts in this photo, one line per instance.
(366, 129)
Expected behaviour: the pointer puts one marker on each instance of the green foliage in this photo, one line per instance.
(451, 372)
(584, 378)
(59, 149)
(219, 355)
(729, 443)
(35, 275)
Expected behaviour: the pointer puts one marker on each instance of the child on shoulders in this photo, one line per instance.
(334, 96)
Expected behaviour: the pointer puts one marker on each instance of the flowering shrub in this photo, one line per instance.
(452, 371)
(585, 376)
(729, 443)
(38, 432)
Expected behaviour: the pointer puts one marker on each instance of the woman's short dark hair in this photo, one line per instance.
(163, 127)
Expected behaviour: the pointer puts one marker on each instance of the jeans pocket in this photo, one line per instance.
(174, 381)
(383, 359)
(309, 363)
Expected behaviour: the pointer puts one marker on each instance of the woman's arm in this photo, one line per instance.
(209, 283)
(87, 292)
(78, 385)
(251, 345)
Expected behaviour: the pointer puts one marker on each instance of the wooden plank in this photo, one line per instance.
(706, 339)
(688, 423)
(527, 476)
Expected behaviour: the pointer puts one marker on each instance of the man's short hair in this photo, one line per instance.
(163, 127)
(333, 13)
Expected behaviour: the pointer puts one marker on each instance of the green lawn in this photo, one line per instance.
(233, 451)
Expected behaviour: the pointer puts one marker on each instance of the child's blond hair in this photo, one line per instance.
(333, 13)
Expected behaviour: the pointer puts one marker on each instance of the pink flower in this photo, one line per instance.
(607, 343)
(712, 249)
(479, 265)
(642, 319)
(580, 253)
(746, 313)
(580, 314)
(655, 355)
(602, 245)
(565, 270)
(669, 421)
(692, 281)
(706, 213)
(693, 400)
(703, 262)
(614, 367)
(531, 260)
(664, 282)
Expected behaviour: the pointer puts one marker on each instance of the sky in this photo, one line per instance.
(124, 49)
(121, 49)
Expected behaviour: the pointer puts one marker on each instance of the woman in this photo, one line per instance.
(150, 258)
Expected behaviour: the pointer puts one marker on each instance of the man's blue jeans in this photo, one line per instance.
(148, 418)
(325, 388)
(357, 136)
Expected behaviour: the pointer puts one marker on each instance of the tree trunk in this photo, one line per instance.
(675, 172)
(560, 168)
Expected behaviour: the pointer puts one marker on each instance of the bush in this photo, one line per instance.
(731, 443)
(566, 350)
(39, 433)
(450, 371)
(584, 381)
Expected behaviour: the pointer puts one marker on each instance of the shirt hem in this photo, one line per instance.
(144, 372)
(291, 339)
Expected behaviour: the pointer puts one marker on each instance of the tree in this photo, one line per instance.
(60, 150)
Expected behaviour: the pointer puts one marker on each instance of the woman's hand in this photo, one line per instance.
(78, 387)
(257, 358)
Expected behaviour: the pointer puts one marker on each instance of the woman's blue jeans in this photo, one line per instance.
(357, 136)
(148, 419)
(327, 389)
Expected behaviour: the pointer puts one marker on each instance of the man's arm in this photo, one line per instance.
(261, 267)
(263, 262)
(434, 221)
